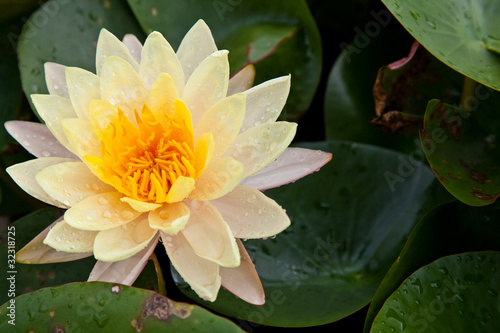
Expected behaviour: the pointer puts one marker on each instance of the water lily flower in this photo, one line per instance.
(156, 144)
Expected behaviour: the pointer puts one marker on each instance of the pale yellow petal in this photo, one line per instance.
(207, 85)
(124, 241)
(224, 121)
(107, 46)
(141, 206)
(102, 114)
(181, 189)
(243, 281)
(100, 212)
(209, 236)
(134, 45)
(170, 218)
(196, 45)
(158, 57)
(70, 182)
(35, 252)
(24, 175)
(163, 95)
(202, 275)
(81, 137)
(251, 214)
(221, 177)
(122, 87)
(241, 81)
(265, 102)
(83, 86)
(53, 109)
(55, 80)
(261, 145)
(63, 237)
(203, 152)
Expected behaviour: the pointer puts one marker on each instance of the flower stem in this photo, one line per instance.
(468, 99)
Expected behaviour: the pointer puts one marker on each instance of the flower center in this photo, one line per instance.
(145, 161)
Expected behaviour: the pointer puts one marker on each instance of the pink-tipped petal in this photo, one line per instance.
(125, 271)
(36, 252)
(243, 281)
(241, 81)
(56, 79)
(134, 46)
(293, 164)
(37, 139)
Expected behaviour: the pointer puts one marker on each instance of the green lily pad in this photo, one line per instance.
(348, 225)
(463, 34)
(98, 306)
(30, 277)
(349, 105)
(68, 37)
(458, 293)
(281, 37)
(449, 229)
(460, 147)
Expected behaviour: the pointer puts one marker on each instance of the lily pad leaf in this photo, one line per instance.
(404, 87)
(279, 36)
(458, 293)
(461, 150)
(96, 306)
(462, 34)
(330, 261)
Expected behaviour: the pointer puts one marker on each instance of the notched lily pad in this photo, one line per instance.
(462, 151)
(404, 87)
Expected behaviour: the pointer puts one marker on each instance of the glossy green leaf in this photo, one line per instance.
(461, 148)
(349, 222)
(458, 293)
(463, 34)
(97, 306)
(403, 89)
(448, 229)
(349, 104)
(68, 36)
(30, 277)
(281, 35)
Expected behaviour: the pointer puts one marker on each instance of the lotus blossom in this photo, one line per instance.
(156, 144)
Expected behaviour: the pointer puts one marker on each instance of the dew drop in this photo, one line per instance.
(103, 201)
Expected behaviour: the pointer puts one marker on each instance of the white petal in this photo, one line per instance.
(81, 137)
(134, 46)
(251, 214)
(170, 218)
(243, 281)
(207, 85)
(124, 241)
(293, 164)
(241, 81)
(124, 271)
(53, 109)
(55, 80)
(196, 45)
(224, 121)
(122, 87)
(202, 275)
(70, 182)
(265, 102)
(63, 237)
(35, 252)
(261, 145)
(24, 175)
(209, 236)
(83, 86)
(100, 212)
(107, 46)
(158, 57)
(37, 139)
